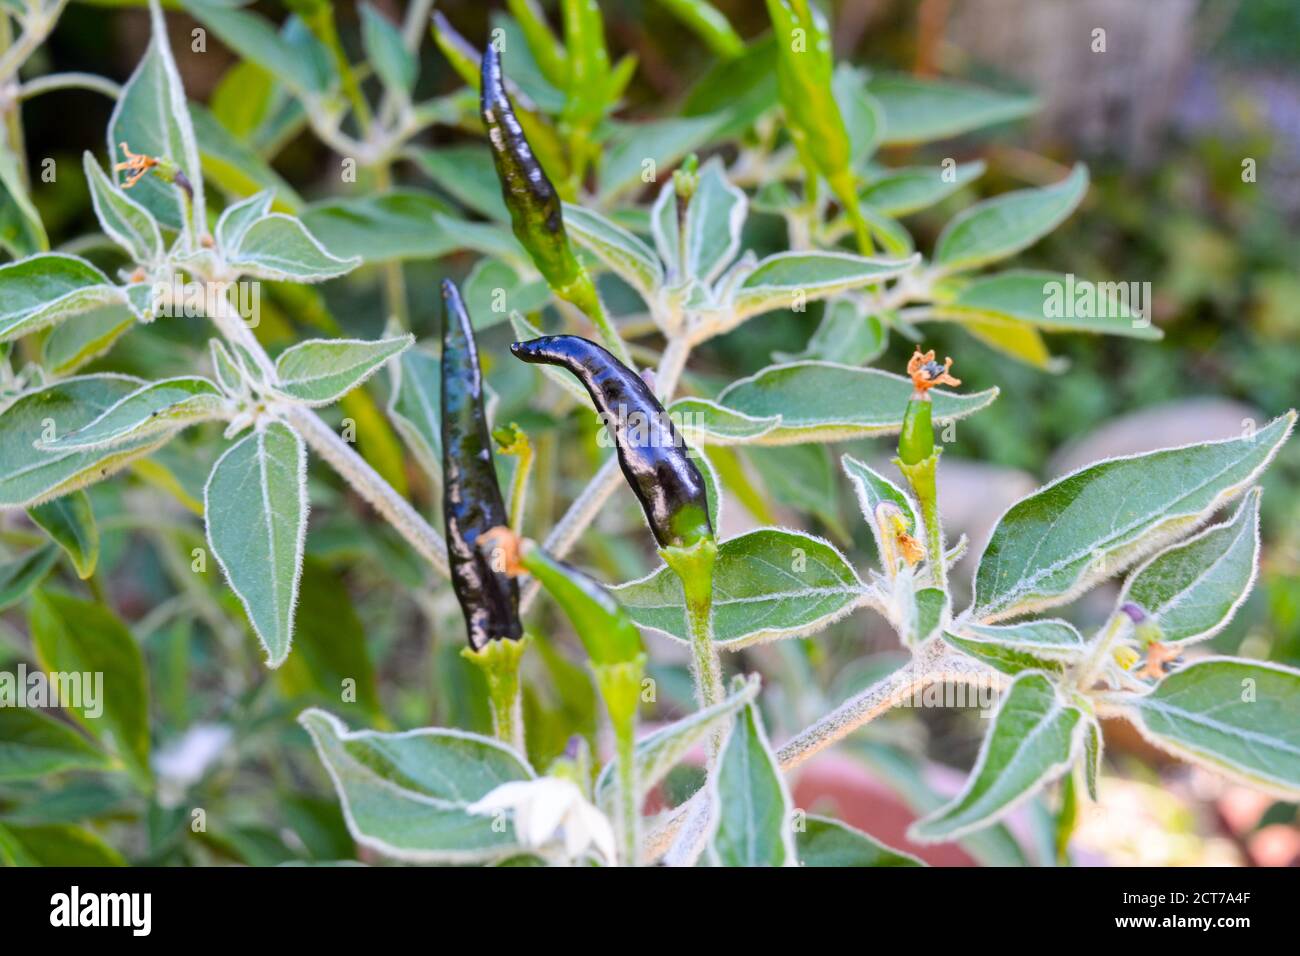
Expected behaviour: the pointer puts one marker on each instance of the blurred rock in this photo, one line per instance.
(1163, 426)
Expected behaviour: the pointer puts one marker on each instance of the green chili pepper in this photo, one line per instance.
(604, 627)
(918, 458)
(471, 500)
(805, 68)
(652, 455)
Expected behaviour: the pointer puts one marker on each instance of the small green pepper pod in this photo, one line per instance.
(534, 205)
(471, 499)
(604, 627)
(653, 456)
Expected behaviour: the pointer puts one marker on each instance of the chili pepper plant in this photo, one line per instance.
(521, 480)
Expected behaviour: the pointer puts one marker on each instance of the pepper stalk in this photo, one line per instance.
(918, 458)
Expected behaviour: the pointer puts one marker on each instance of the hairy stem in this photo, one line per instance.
(354, 469)
(69, 81)
(370, 485)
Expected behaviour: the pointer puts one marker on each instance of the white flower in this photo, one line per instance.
(183, 761)
(547, 808)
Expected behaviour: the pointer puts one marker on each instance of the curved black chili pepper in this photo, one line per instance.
(652, 455)
(471, 498)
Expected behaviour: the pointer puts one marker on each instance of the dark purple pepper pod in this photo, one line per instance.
(471, 500)
(653, 456)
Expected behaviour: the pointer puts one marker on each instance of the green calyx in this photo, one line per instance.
(499, 662)
(604, 627)
(693, 563)
(620, 688)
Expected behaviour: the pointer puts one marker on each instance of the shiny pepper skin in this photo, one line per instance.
(471, 500)
(651, 453)
(534, 205)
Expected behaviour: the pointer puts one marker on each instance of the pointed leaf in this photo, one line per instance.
(708, 423)
(152, 118)
(1241, 718)
(255, 507)
(823, 401)
(405, 794)
(1191, 590)
(399, 225)
(920, 110)
(1031, 741)
(1053, 302)
(901, 192)
(153, 409)
(1002, 226)
(236, 219)
(755, 824)
(714, 218)
(29, 476)
(70, 522)
(1047, 645)
(1095, 522)
(789, 278)
(80, 339)
(767, 584)
(620, 251)
(386, 52)
(279, 247)
(321, 371)
(123, 220)
(48, 288)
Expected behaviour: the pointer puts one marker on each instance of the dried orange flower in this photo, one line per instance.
(1159, 657)
(137, 163)
(927, 373)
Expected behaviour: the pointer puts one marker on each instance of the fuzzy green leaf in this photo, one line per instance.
(33, 746)
(405, 794)
(1002, 226)
(767, 584)
(1241, 718)
(1191, 590)
(1095, 522)
(49, 288)
(1032, 740)
(823, 401)
(754, 806)
(157, 408)
(70, 523)
(920, 110)
(826, 842)
(788, 279)
(255, 508)
(29, 476)
(321, 371)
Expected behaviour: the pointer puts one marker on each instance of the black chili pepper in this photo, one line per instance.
(653, 456)
(471, 499)
(534, 205)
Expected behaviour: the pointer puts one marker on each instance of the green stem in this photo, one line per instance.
(694, 566)
(582, 293)
(499, 662)
(519, 488)
(1091, 666)
(934, 542)
(620, 686)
